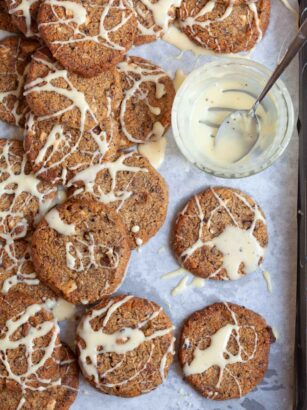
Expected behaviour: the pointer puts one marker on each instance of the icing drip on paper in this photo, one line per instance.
(31, 378)
(55, 222)
(179, 79)
(137, 75)
(154, 151)
(88, 177)
(198, 23)
(16, 183)
(218, 355)
(21, 8)
(237, 245)
(267, 278)
(183, 284)
(120, 342)
(78, 15)
(63, 310)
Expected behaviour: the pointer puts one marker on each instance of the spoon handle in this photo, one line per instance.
(293, 49)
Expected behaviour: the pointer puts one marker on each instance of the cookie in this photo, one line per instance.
(80, 249)
(224, 350)
(15, 54)
(131, 187)
(145, 111)
(125, 345)
(29, 345)
(86, 36)
(24, 14)
(6, 23)
(83, 103)
(23, 197)
(17, 273)
(221, 234)
(224, 26)
(58, 152)
(50, 379)
(153, 18)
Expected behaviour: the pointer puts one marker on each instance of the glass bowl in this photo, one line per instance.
(249, 72)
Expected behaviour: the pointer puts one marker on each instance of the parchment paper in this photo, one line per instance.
(276, 191)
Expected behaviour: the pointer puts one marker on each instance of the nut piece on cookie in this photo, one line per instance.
(125, 345)
(80, 249)
(224, 26)
(23, 197)
(220, 234)
(148, 94)
(87, 36)
(224, 350)
(132, 188)
(58, 152)
(67, 98)
(15, 54)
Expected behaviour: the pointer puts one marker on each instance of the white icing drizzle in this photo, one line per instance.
(236, 244)
(181, 41)
(21, 8)
(120, 342)
(28, 342)
(135, 229)
(6, 96)
(137, 74)
(79, 15)
(154, 151)
(16, 267)
(82, 255)
(197, 24)
(88, 177)
(217, 353)
(15, 184)
(160, 11)
(55, 222)
(63, 310)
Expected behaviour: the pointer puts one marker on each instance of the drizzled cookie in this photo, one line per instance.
(225, 26)
(80, 249)
(87, 36)
(131, 187)
(220, 234)
(15, 54)
(58, 152)
(125, 345)
(53, 93)
(224, 350)
(145, 111)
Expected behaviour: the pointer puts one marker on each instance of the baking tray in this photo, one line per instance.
(301, 328)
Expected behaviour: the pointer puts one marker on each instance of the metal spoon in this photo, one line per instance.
(243, 127)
